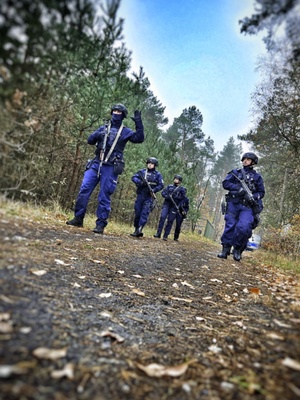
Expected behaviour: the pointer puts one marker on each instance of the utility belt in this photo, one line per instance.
(240, 200)
(117, 162)
(235, 199)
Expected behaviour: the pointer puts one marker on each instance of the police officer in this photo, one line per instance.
(175, 207)
(110, 141)
(148, 182)
(241, 209)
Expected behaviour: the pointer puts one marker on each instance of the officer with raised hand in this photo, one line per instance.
(175, 207)
(243, 206)
(148, 182)
(110, 141)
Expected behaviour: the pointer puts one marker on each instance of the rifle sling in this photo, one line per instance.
(114, 143)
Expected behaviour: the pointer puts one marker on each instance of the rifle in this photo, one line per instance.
(148, 184)
(176, 206)
(251, 199)
(103, 147)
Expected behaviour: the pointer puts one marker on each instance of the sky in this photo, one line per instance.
(193, 54)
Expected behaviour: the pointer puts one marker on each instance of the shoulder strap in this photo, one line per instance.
(114, 143)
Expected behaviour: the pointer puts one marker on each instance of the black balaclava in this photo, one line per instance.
(117, 119)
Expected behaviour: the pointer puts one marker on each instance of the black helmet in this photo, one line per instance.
(120, 107)
(179, 177)
(252, 157)
(152, 160)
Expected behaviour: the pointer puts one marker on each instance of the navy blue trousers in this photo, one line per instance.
(142, 209)
(238, 225)
(107, 182)
(170, 214)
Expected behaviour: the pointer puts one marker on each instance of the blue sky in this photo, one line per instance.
(193, 54)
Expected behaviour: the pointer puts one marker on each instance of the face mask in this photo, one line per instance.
(117, 118)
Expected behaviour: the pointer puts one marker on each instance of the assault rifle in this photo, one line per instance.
(148, 184)
(251, 199)
(182, 213)
(103, 148)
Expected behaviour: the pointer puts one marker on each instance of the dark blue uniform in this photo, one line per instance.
(239, 217)
(172, 212)
(108, 175)
(144, 201)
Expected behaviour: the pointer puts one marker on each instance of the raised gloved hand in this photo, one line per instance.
(137, 116)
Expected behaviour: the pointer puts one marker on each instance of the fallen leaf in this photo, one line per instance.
(184, 283)
(138, 292)
(104, 295)
(281, 324)
(157, 371)
(60, 262)
(215, 349)
(7, 370)
(273, 335)
(255, 290)
(67, 371)
(137, 276)
(38, 272)
(290, 363)
(113, 335)
(25, 329)
(6, 327)
(216, 280)
(200, 319)
(97, 261)
(179, 299)
(76, 285)
(4, 316)
(49, 354)
(106, 314)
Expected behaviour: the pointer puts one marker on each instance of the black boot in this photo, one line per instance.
(237, 253)
(76, 221)
(225, 251)
(98, 229)
(135, 233)
(165, 237)
(139, 232)
(176, 236)
(157, 235)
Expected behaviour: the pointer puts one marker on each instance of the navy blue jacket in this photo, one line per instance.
(154, 178)
(96, 138)
(178, 194)
(253, 180)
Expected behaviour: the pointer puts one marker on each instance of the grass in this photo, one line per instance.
(53, 214)
(278, 261)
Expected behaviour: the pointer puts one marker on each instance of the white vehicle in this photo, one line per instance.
(254, 242)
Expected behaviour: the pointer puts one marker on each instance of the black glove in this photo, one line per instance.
(137, 116)
(250, 200)
(141, 184)
(241, 192)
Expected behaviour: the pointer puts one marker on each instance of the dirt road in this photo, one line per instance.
(86, 316)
